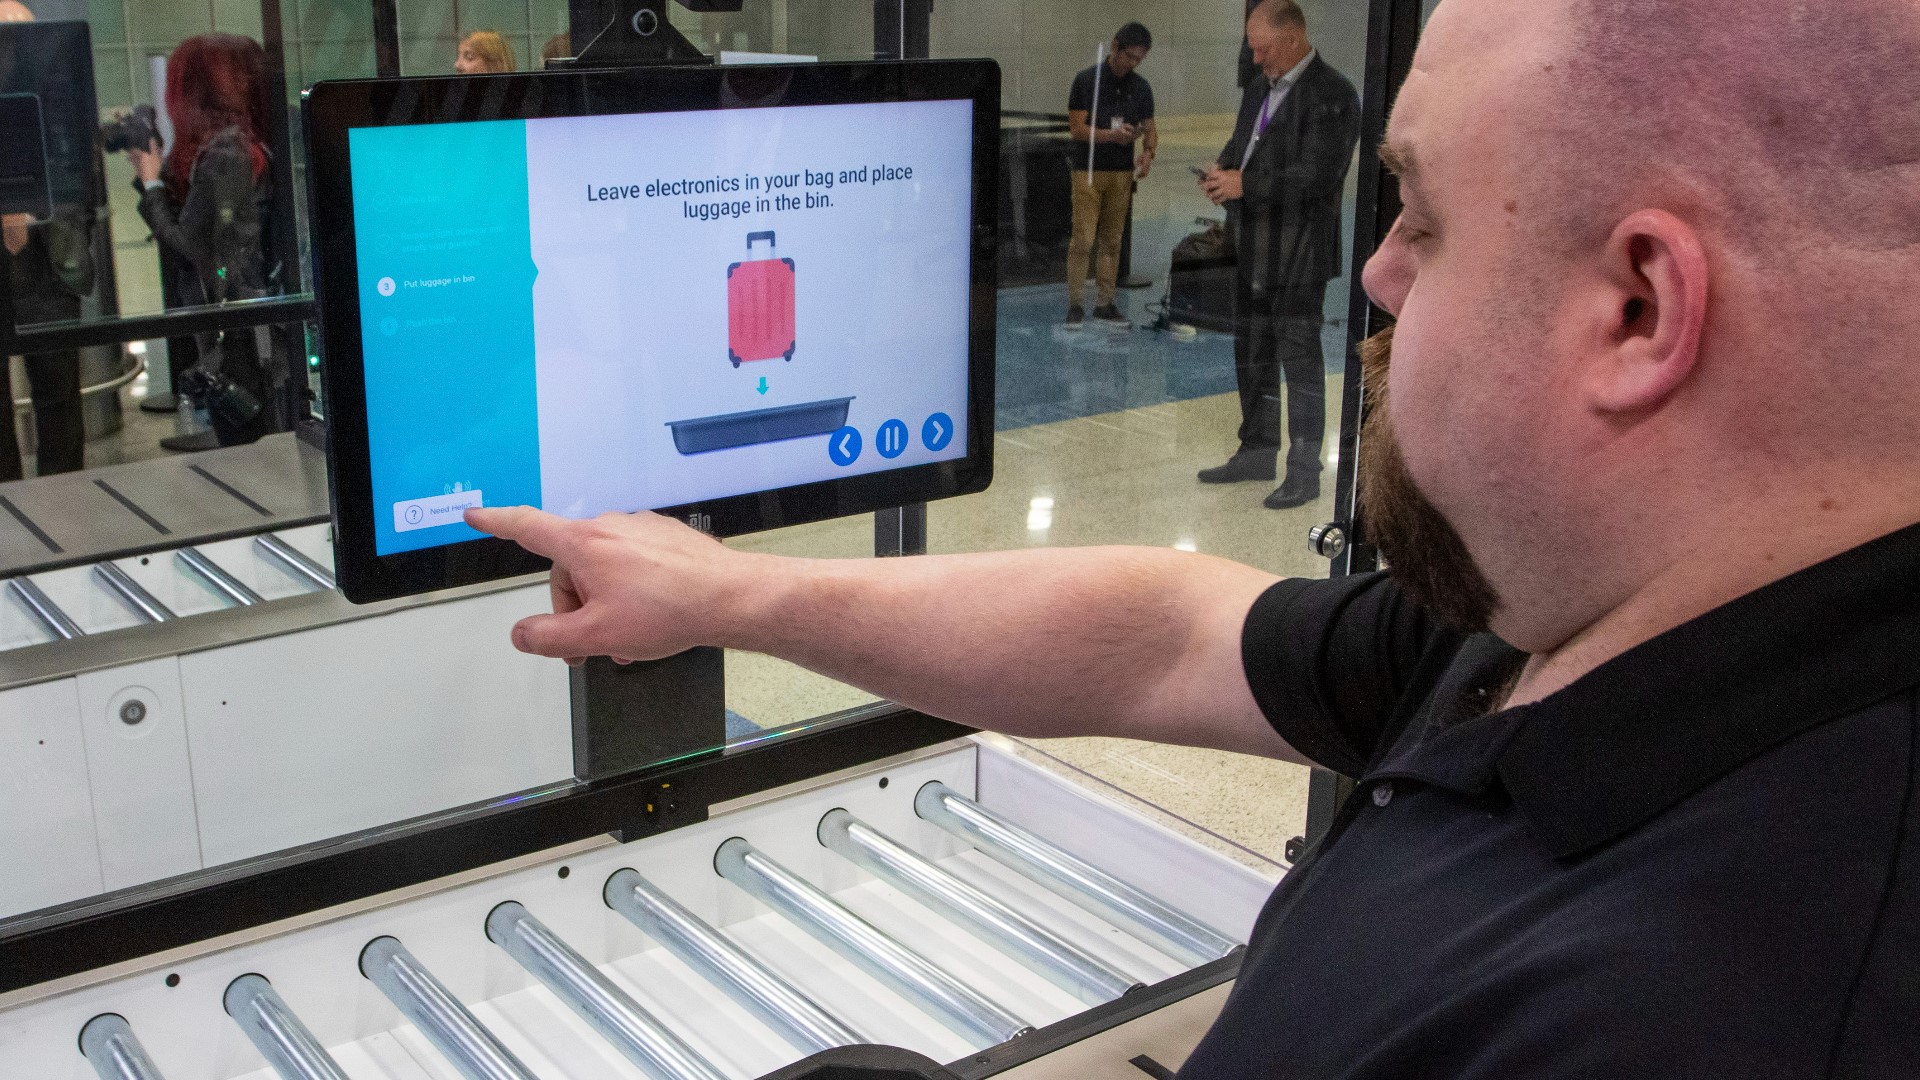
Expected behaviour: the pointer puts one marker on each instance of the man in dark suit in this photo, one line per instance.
(1280, 178)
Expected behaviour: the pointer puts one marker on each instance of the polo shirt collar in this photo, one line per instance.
(1650, 727)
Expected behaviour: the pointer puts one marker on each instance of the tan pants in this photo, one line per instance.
(1099, 212)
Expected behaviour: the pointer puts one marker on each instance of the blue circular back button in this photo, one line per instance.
(843, 446)
(891, 439)
(937, 432)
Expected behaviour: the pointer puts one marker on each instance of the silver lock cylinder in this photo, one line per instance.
(1328, 541)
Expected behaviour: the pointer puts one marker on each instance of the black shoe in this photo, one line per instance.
(1242, 467)
(1075, 317)
(163, 401)
(1109, 313)
(1298, 490)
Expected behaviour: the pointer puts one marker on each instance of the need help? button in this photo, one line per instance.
(433, 511)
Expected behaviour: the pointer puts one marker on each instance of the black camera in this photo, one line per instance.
(138, 130)
(226, 400)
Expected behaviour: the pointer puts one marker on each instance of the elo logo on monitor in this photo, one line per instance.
(746, 297)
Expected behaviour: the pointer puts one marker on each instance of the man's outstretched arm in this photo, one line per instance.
(1132, 642)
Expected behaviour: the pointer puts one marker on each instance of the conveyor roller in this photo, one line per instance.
(460, 1037)
(1038, 949)
(1071, 877)
(871, 949)
(605, 1007)
(277, 1033)
(797, 1017)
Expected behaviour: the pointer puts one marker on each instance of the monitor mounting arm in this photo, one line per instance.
(638, 32)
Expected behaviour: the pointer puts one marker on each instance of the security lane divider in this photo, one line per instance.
(277, 1033)
(1072, 878)
(1036, 948)
(459, 1036)
(867, 947)
(605, 1007)
(783, 1007)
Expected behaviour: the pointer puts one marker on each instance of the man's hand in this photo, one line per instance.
(1220, 185)
(1146, 164)
(1125, 133)
(629, 586)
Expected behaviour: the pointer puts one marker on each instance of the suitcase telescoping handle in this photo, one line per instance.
(752, 237)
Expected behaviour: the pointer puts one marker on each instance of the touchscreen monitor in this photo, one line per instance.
(748, 297)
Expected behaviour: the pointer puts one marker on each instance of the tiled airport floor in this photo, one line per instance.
(1100, 434)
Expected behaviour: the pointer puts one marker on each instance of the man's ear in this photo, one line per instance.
(1652, 311)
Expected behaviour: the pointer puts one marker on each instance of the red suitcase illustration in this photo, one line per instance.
(760, 305)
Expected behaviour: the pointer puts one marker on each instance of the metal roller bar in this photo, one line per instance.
(469, 1047)
(797, 1017)
(1038, 949)
(1175, 932)
(605, 1007)
(215, 575)
(113, 1051)
(132, 593)
(869, 948)
(277, 1033)
(44, 610)
(295, 561)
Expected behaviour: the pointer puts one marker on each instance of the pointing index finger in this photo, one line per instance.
(542, 533)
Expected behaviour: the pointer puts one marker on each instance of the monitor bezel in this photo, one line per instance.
(331, 109)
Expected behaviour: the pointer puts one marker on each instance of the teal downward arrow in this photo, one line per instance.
(763, 384)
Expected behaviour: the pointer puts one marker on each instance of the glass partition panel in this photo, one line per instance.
(1186, 393)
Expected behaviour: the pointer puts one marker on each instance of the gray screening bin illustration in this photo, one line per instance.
(710, 433)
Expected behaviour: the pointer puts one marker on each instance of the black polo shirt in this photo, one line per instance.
(1700, 860)
(1127, 99)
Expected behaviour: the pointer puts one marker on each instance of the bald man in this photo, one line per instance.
(1635, 718)
(15, 11)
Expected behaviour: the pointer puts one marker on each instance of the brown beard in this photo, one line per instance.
(1424, 553)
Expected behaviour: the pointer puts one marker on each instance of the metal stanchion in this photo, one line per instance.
(295, 561)
(798, 1018)
(872, 950)
(277, 1033)
(1035, 947)
(113, 1051)
(1070, 877)
(605, 1007)
(132, 593)
(460, 1038)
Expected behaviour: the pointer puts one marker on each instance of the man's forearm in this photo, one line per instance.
(1133, 642)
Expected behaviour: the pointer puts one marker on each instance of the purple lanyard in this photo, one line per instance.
(1266, 113)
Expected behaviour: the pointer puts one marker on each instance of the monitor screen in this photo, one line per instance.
(591, 308)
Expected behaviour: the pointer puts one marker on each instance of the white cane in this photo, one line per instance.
(1093, 111)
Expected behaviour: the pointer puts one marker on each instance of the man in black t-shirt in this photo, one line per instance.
(1636, 718)
(1109, 109)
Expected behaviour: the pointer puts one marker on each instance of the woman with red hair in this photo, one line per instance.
(207, 203)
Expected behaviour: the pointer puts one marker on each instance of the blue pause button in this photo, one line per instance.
(891, 439)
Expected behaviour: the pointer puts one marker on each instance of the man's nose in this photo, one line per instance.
(1387, 277)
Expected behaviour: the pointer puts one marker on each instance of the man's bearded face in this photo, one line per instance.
(1424, 554)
